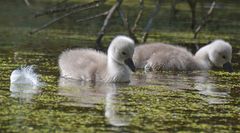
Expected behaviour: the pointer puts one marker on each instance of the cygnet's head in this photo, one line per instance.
(121, 51)
(220, 54)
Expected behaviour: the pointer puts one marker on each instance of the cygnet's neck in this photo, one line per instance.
(202, 57)
(116, 71)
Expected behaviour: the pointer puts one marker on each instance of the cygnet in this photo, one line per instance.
(92, 65)
(159, 56)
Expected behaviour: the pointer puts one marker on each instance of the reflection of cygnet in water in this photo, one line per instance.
(199, 81)
(90, 94)
(110, 109)
(81, 93)
(171, 80)
(24, 83)
(207, 87)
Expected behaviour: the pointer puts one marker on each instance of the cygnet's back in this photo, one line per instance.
(83, 64)
(158, 56)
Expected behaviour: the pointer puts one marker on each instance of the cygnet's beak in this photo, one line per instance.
(228, 67)
(130, 64)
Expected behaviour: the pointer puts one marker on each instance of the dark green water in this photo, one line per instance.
(152, 102)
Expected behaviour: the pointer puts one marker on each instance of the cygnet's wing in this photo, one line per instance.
(82, 64)
(172, 58)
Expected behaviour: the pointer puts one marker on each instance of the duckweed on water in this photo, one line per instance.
(176, 111)
(155, 107)
(164, 101)
(226, 75)
(144, 108)
(228, 80)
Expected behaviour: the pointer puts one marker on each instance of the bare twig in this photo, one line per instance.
(204, 22)
(173, 11)
(126, 25)
(61, 17)
(139, 16)
(67, 8)
(61, 2)
(27, 2)
(150, 20)
(192, 4)
(58, 5)
(93, 17)
(105, 23)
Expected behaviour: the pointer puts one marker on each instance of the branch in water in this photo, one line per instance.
(126, 24)
(27, 2)
(139, 16)
(149, 24)
(205, 21)
(93, 17)
(61, 17)
(67, 8)
(105, 23)
(193, 5)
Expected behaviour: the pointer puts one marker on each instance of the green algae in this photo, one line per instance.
(160, 109)
(226, 75)
(46, 119)
(153, 106)
(147, 108)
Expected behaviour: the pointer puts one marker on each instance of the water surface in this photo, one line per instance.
(207, 101)
(163, 101)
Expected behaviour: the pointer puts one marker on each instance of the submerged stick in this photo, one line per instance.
(105, 23)
(204, 22)
(149, 24)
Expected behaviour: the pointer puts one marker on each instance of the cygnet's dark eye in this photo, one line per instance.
(123, 53)
(224, 57)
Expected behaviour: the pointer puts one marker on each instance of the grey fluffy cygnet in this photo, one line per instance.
(92, 65)
(159, 56)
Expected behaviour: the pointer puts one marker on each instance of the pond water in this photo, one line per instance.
(164, 101)
(199, 101)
